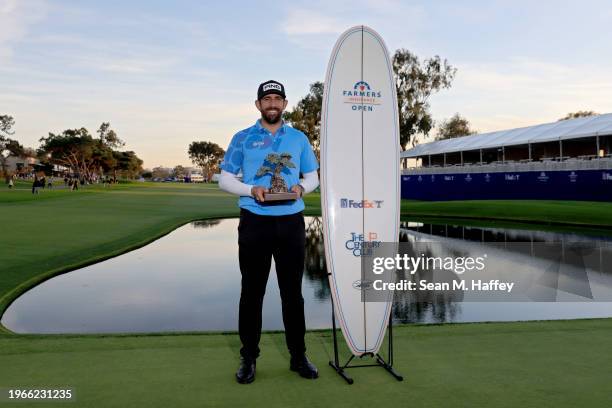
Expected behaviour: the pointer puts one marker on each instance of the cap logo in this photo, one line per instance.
(268, 87)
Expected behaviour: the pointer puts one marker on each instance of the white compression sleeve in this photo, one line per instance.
(230, 183)
(310, 181)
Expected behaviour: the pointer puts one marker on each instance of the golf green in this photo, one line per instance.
(535, 364)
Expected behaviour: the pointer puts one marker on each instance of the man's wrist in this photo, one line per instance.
(302, 189)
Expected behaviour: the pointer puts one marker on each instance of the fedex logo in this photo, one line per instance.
(346, 203)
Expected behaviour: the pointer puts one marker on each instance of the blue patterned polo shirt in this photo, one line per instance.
(247, 152)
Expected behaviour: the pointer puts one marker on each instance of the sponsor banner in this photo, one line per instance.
(590, 185)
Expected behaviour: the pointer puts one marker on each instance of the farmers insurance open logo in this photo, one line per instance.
(362, 97)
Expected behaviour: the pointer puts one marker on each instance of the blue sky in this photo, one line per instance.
(166, 73)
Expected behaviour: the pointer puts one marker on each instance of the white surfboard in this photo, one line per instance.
(360, 180)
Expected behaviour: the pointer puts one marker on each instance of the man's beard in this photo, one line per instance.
(272, 117)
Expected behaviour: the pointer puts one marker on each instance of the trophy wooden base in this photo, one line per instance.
(280, 196)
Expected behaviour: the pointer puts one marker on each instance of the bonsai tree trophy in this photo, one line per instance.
(274, 164)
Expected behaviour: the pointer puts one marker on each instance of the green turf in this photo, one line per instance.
(535, 364)
(595, 231)
(577, 213)
(503, 364)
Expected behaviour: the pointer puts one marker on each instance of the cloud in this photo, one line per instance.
(137, 43)
(140, 65)
(318, 26)
(302, 21)
(522, 92)
(48, 39)
(16, 17)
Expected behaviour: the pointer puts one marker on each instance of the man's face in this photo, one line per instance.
(271, 108)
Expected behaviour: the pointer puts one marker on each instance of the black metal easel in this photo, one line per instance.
(380, 361)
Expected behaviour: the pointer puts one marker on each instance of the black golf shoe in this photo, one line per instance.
(246, 371)
(304, 367)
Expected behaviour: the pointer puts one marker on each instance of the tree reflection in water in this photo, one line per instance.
(421, 306)
(408, 307)
(314, 264)
(205, 223)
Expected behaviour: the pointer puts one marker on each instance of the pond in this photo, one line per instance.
(189, 280)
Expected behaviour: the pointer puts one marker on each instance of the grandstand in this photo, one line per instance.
(569, 159)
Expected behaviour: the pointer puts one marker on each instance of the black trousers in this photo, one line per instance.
(259, 239)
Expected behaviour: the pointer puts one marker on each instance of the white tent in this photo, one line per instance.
(566, 129)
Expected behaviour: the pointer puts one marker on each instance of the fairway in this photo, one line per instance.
(560, 363)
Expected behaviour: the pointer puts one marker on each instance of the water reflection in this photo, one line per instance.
(426, 306)
(315, 270)
(562, 262)
(206, 223)
(190, 280)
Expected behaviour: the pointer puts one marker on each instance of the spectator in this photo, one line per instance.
(35, 185)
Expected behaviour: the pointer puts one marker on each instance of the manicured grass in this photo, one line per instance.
(569, 213)
(561, 363)
(535, 364)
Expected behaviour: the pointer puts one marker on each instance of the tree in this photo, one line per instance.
(6, 125)
(415, 82)
(8, 147)
(85, 155)
(160, 172)
(104, 157)
(179, 171)
(108, 137)
(73, 148)
(456, 126)
(306, 116)
(578, 114)
(207, 155)
(128, 163)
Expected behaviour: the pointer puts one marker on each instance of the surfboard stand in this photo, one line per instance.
(380, 361)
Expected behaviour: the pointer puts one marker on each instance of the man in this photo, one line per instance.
(270, 229)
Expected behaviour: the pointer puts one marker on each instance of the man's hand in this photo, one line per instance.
(298, 189)
(258, 192)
